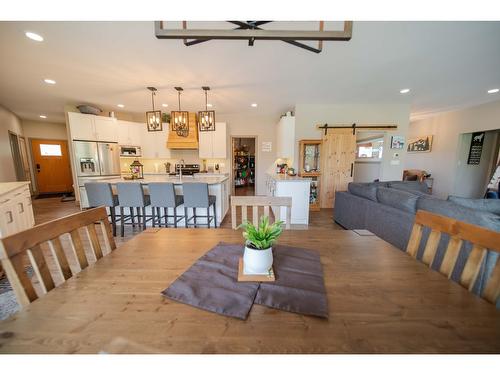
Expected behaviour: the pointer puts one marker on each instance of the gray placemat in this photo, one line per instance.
(211, 283)
(299, 285)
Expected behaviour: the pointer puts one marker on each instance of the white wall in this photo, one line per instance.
(41, 130)
(262, 126)
(471, 180)
(446, 128)
(308, 116)
(8, 121)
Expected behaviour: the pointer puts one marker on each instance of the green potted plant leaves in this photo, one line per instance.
(258, 255)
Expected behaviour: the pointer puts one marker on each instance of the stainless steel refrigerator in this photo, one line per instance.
(97, 158)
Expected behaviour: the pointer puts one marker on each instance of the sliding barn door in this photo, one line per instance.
(337, 159)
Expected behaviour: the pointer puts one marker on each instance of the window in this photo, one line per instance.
(370, 149)
(50, 150)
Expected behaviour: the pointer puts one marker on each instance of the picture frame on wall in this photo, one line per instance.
(420, 144)
(397, 141)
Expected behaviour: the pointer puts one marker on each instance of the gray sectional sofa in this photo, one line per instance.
(388, 210)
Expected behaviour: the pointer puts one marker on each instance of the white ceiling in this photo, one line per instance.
(446, 64)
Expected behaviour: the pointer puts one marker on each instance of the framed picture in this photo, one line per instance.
(420, 144)
(397, 141)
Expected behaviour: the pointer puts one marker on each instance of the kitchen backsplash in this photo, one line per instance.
(158, 165)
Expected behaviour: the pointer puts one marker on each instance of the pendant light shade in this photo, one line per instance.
(180, 119)
(206, 118)
(153, 118)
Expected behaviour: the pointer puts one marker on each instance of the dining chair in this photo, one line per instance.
(26, 248)
(196, 196)
(101, 194)
(260, 201)
(482, 240)
(162, 195)
(130, 195)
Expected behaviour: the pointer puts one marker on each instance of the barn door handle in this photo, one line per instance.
(352, 167)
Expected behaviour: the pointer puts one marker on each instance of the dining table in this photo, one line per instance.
(380, 300)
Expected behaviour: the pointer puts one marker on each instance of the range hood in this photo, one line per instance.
(190, 142)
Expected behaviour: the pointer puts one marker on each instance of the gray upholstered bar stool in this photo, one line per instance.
(101, 194)
(131, 194)
(196, 196)
(162, 195)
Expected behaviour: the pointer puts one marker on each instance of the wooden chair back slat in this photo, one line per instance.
(481, 239)
(431, 247)
(492, 290)
(260, 201)
(77, 246)
(451, 256)
(94, 241)
(472, 266)
(40, 268)
(16, 249)
(57, 251)
(414, 241)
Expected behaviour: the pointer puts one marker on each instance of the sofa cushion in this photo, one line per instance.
(487, 205)
(365, 190)
(453, 210)
(400, 199)
(409, 186)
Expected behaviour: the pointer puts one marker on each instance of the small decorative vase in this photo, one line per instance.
(258, 261)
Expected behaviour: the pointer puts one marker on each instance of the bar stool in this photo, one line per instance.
(196, 196)
(101, 194)
(131, 194)
(162, 195)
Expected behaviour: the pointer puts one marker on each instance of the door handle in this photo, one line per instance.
(38, 168)
(352, 167)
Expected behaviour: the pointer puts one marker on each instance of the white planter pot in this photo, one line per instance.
(258, 261)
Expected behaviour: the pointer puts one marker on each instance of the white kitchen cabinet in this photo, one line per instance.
(81, 126)
(130, 133)
(154, 144)
(213, 144)
(106, 129)
(296, 187)
(16, 212)
(85, 127)
(285, 138)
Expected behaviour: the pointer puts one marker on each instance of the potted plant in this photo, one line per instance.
(258, 255)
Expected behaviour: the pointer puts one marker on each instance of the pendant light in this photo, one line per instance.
(179, 119)
(206, 118)
(153, 118)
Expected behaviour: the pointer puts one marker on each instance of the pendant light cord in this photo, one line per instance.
(206, 101)
(179, 94)
(153, 99)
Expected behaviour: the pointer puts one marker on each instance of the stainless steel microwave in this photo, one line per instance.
(130, 151)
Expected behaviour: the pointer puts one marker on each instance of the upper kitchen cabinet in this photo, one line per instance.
(187, 142)
(92, 128)
(213, 144)
(154, 144)
(130, 133)
(285, 138)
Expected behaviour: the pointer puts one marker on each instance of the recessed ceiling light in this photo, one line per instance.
(254, 105)
(121, 105)
(164, 105)
(34, 36)
(209, 105)
(43, 116)
(493, 91)
(404, 91)
(49, 81)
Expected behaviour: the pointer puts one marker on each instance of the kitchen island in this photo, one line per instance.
(217, 186)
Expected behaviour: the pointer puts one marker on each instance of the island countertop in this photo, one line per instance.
(211, 180)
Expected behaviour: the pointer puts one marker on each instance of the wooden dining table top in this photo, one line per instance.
(380, 301)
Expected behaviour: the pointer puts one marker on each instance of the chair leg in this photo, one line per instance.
(143, 209)
(165, 213)
(208, 217)
(113, 220)
(122, 221)
(186, 217)
(175, 217)
(215, 217)
(131, 209)
(153, 217)
(194, 217)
